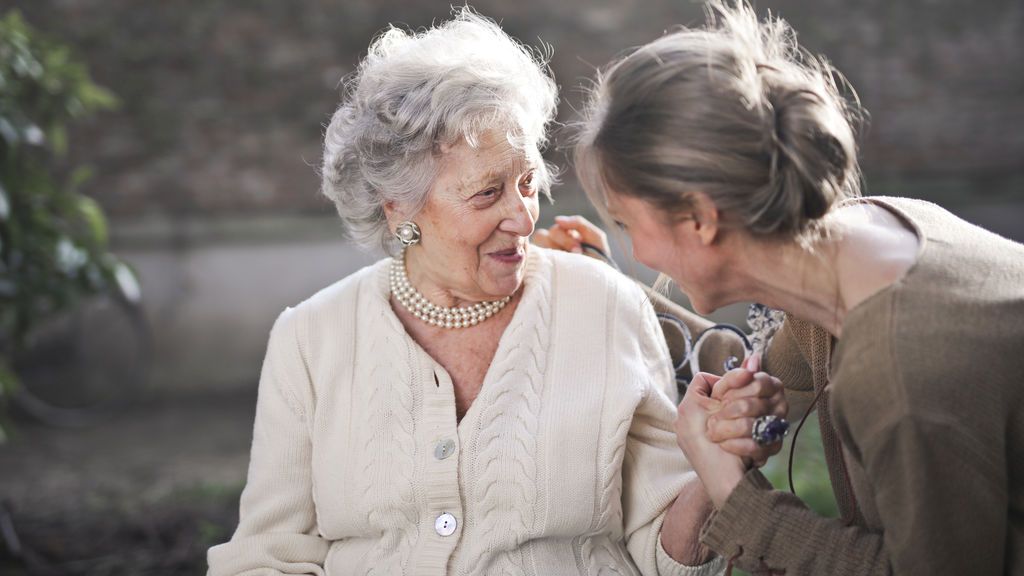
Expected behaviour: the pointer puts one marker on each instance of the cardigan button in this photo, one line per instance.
(444, 449)
(445, 524)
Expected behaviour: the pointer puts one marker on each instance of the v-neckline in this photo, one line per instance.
(441, 372)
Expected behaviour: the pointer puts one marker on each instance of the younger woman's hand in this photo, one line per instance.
(741, 402)
(569, 233)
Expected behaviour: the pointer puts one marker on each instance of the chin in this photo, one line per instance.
(702, 308)
(702, 305)
(503, 280)
(507, 284)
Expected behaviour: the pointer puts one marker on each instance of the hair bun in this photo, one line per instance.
(812, 152)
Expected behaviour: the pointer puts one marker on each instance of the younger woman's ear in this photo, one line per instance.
(705, 215)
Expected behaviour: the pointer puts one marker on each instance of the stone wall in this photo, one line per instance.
(223, 102)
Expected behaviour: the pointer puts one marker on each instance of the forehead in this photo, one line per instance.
(624, 206)
(612, 202)
(493, 158)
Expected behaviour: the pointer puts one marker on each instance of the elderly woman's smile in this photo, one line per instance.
(476, 222)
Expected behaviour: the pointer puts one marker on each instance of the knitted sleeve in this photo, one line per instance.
(654, 469)
(762, 529)
(277, 529)
(786, 359)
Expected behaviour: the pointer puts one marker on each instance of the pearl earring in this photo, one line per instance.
(408, 233)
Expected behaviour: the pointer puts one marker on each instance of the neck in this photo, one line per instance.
(802, 280)
(422, 278)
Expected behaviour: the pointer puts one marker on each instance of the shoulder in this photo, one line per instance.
(909, 208)
(932, 222)
(366, 278)
(924, 366)
(324, 321)
(584, 286)
(592, 297)
(579, 277)
(340, 297)
(334, 306)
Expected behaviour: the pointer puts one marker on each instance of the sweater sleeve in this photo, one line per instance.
(785, 360)
(939, 519)
(277, 529)
(760, 528)
(654, 469)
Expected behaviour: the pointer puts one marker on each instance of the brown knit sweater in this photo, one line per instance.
(921, 417)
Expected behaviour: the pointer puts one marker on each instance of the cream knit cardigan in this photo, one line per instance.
(564, 464)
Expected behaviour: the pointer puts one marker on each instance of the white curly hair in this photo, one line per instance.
(415, 93)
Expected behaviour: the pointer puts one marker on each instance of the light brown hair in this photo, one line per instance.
(736, 110)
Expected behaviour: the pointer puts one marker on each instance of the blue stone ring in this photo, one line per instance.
(769, 430)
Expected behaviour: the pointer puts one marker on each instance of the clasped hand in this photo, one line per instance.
(715, 420)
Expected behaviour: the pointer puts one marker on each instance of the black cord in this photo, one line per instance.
(601, 253)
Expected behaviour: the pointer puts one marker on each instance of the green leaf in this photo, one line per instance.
(95, 97)
(96, 224)
(58, 137)
(79, 176)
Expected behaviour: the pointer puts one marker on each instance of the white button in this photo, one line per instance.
(444, 449)
(445, 524)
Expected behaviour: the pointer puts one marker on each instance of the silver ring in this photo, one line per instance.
(769, 430)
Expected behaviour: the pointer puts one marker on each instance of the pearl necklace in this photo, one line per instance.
(455, 317)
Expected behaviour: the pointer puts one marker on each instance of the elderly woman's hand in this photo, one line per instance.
(743, 399)
(719, 471)
(569, 233)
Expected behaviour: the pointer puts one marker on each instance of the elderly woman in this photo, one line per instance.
(473, 405)
(729, 158)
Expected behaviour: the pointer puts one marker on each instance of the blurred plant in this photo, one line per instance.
(53, 239)
(810, 471)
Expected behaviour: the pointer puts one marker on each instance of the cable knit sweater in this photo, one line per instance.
(565, 463)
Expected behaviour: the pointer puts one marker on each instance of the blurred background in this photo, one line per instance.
(198, 138)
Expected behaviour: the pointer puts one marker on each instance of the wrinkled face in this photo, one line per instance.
(673, 247)
(477, 221)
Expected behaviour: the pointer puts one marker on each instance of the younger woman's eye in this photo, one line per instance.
(620, 225)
